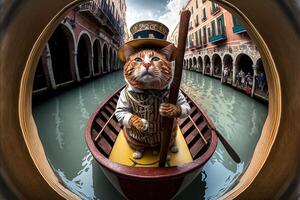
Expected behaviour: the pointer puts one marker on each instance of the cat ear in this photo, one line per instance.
(169, 51)
(128, 50)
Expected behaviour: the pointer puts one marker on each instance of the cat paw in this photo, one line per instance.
(137, 154)
(174, 149)
(169, 110)
(139, 123)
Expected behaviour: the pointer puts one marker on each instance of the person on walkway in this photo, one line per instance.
(249, 80)
(225, 75)
(261, 81)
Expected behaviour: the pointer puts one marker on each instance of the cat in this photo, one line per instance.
(142, 103)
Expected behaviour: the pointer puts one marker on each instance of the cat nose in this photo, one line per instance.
(147, 65)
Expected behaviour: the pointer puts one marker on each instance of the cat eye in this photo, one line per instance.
(138, 60)
(155, 59)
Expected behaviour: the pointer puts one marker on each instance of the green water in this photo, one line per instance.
(61, 121)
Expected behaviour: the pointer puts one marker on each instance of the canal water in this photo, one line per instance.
(61, 121)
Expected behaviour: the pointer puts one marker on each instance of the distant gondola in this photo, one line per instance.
(197, 140)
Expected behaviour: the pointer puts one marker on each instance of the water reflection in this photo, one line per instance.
(61, 122)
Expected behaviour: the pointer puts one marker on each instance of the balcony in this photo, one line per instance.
(217, 38)
(99, 12)
(215, 10)
(204, 19)
(238, 28)
(203, 1)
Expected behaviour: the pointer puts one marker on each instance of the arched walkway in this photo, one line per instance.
(105, 59)
(261, 86)
(244, 72)
(110, 59)
(96, 57)
(200, 64)
(228, 69)
(84, 56)
(194, 63)
(190, 64)
(61, 45)
(217, 66)
(184, 64)
(207, 64)
(40, 81)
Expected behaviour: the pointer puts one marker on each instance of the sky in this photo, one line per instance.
(164, 11)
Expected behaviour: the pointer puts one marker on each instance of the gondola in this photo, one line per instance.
(143, 179)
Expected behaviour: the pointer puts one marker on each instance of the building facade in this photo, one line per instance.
(83, 46)
(218, 45)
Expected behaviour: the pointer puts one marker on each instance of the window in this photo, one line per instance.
(204, 35)
(221, 25)
(204, 13)
(113, 8)
(197, 4)
(197, 38)
(236, 22)
(200, 37)
(213, 5)
(213, 28)
(196, 21)
(192, 10)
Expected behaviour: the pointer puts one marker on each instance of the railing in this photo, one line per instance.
(238, 28)
(98, 9)
(203, 1)
(215, 10)
(204, 19)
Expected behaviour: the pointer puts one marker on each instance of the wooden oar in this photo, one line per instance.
(104, 126)
(167, 123)
(228, 148)
(226, 145)
(203, 138)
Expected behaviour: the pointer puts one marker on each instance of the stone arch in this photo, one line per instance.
(116, 67)
(228, 68)
(194, 63)
(97, 57)
(200, 64)
(261, 85)
(207, 64)
(105, 66)
(184, 64)
(243, 67)
(110, 59)
(190, 64)
(62, 47)
(84, 55)
(216, 66)
(244, 62)
(40, 78)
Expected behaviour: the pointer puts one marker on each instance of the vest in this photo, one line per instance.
(146, 105)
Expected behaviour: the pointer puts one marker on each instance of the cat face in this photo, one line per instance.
(149, 69)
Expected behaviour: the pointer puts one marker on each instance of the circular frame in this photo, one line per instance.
(35, 148)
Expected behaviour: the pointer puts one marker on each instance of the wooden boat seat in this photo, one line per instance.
(122, 153)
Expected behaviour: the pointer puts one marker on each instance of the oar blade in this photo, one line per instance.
(229, 148)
